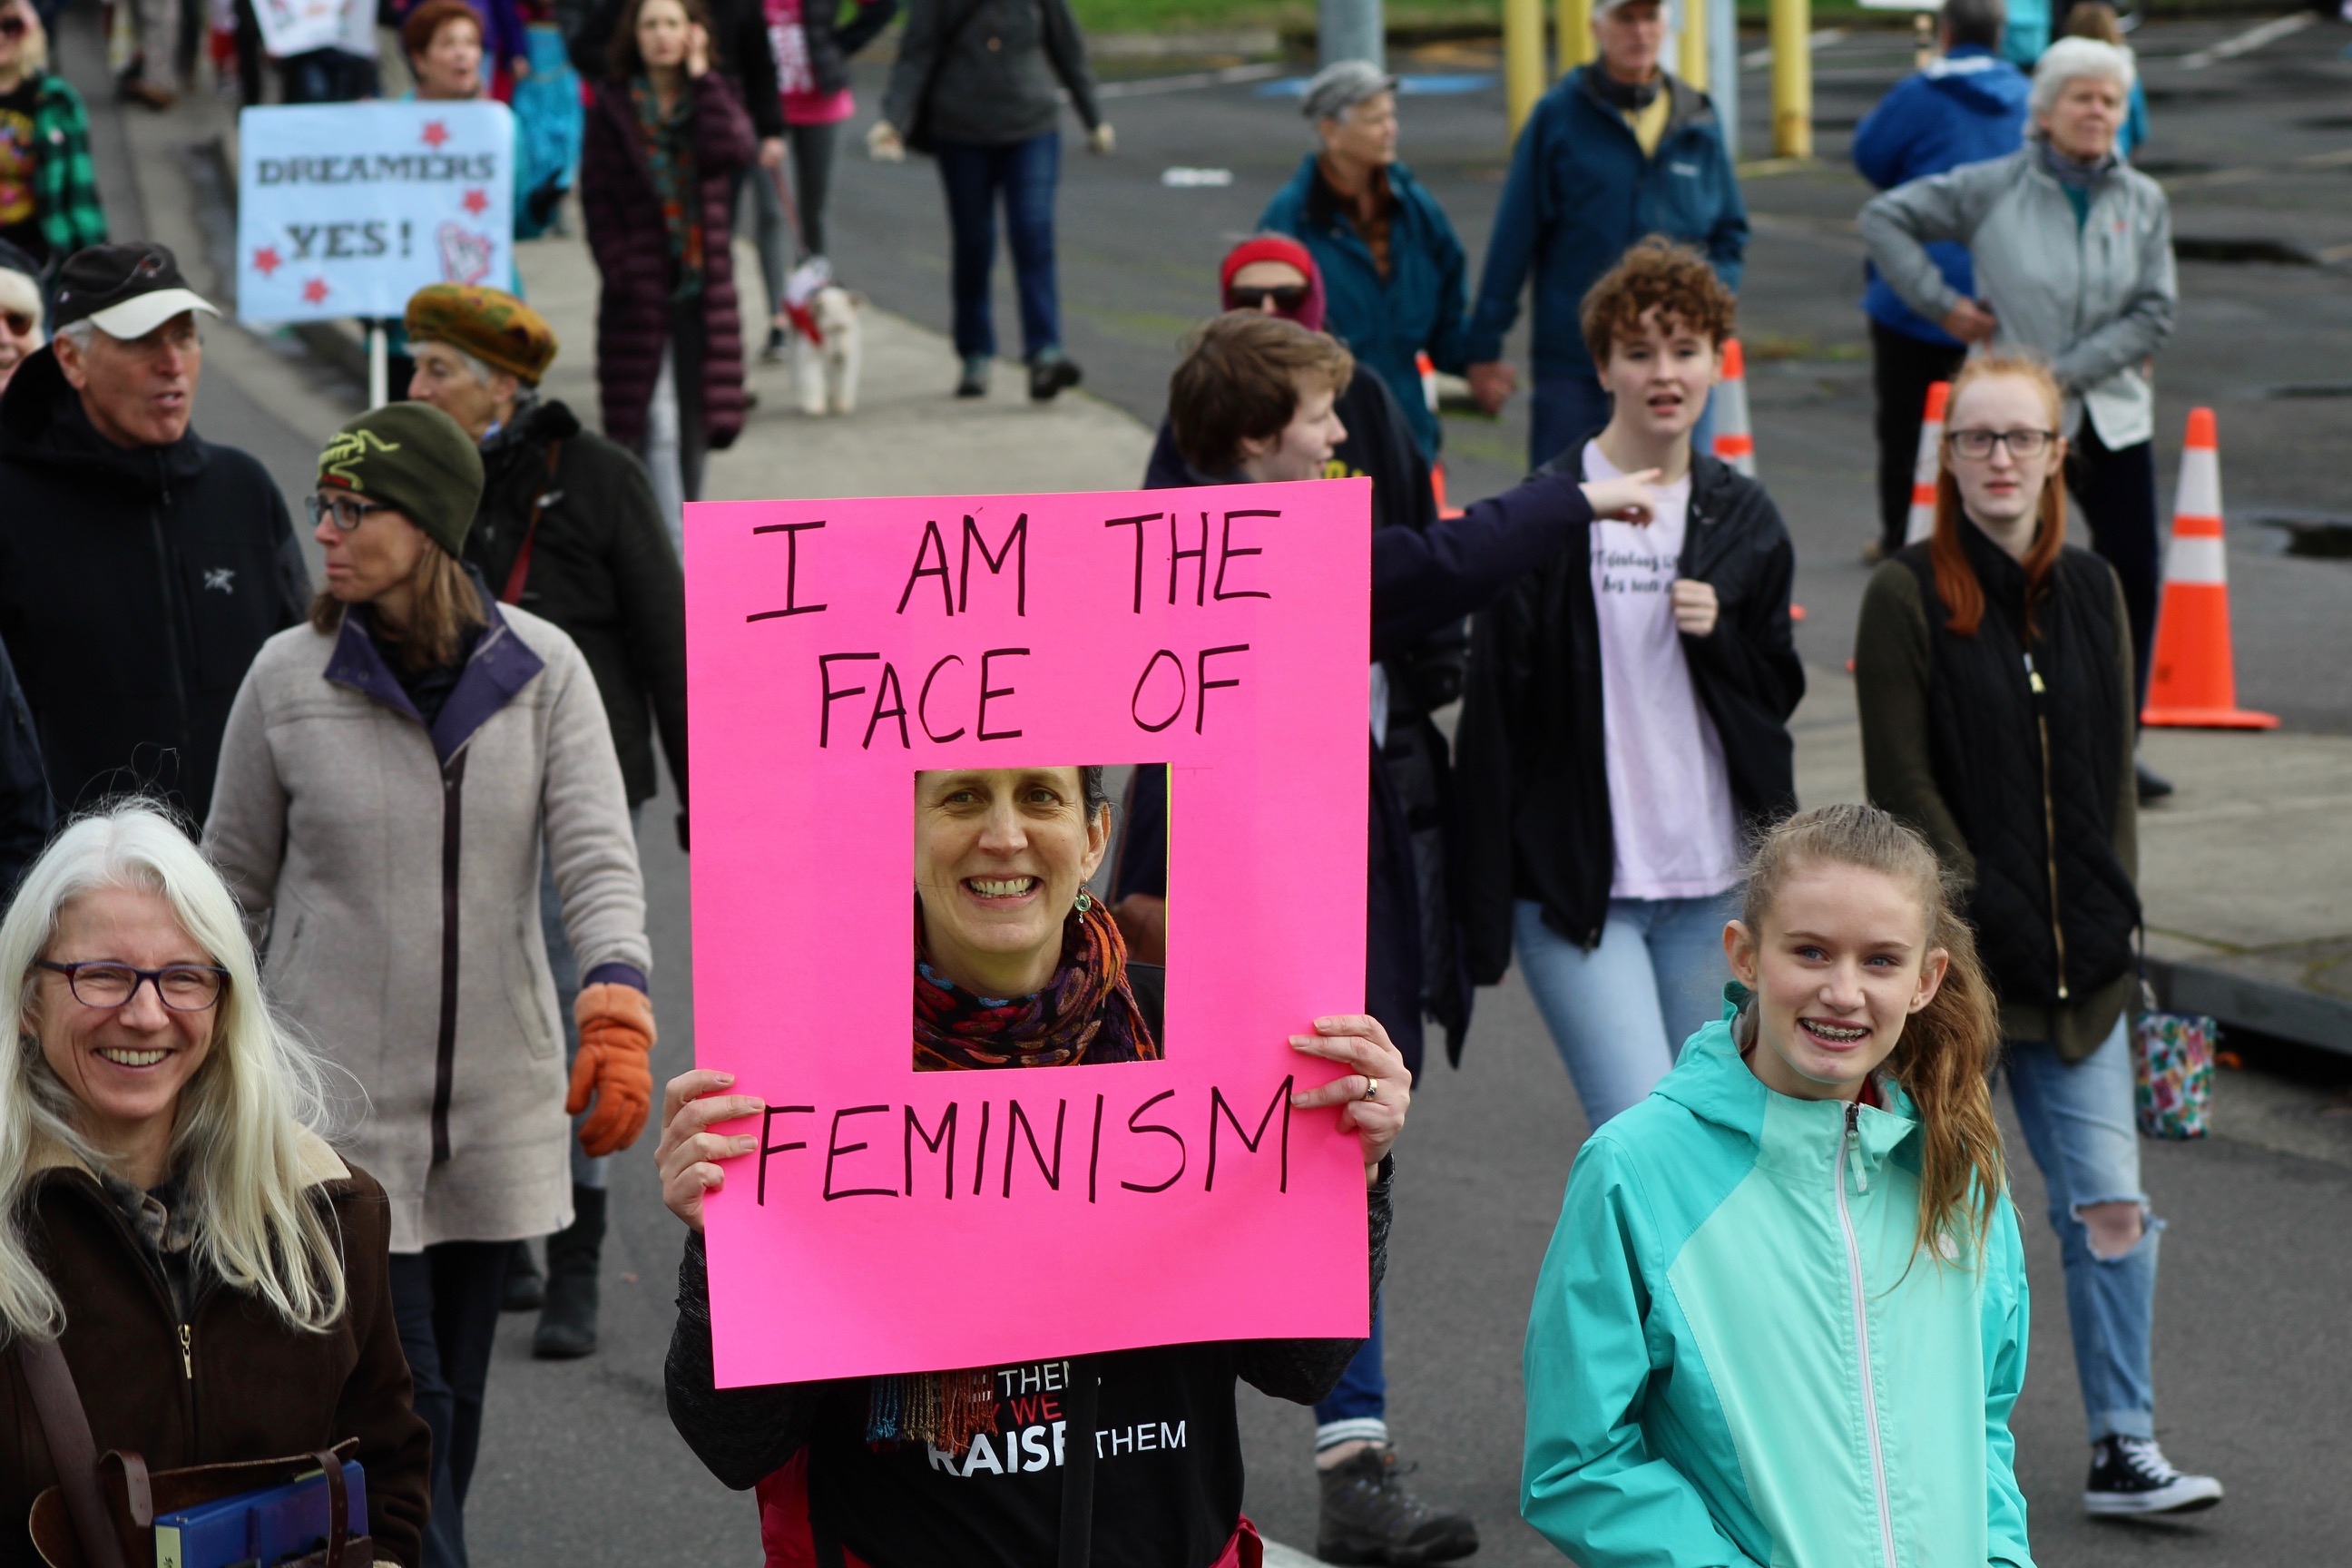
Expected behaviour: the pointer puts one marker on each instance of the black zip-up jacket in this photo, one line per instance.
(989, 72)
(26, 812)
(1531, 776)
(2019, 773)
(136, 585)
(602, 568)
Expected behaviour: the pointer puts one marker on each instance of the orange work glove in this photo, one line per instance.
(614, 1065)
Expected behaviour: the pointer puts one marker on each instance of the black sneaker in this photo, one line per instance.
(2131, 1475)
(973, 381)
(1369, 1518)
(772, 353)
(2153, 785)
(1049, 377)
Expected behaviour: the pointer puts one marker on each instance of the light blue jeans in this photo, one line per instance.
(2077, 1121)
(1620, 1014)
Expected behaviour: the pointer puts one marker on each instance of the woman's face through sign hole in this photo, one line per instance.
(999, 856)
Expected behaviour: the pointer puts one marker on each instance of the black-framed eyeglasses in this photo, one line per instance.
(349, 511)
(1286, 297)
(1977, 444)
(103, 983)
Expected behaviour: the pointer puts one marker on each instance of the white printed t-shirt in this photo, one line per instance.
(1677, 830)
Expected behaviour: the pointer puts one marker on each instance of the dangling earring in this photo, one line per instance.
(1085, 901)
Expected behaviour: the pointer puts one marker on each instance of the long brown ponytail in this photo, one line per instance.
(1945, 1057)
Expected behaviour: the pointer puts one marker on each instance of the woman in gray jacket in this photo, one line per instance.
(2073, 249)
(975, 87)
(386, 776)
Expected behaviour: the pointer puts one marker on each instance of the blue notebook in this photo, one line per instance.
(257, 1527)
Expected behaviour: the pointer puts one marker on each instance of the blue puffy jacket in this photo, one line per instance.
(1385, 321)
(1579, 193)
(1966, 108)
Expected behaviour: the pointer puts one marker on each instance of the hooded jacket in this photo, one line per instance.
(989, 73)
(1736, 1357)
(395, 869)
(2093, 296)
(1419, 306)
(1579, 193)
(1531, 753)
(1965, 107)
(234, 1381)
(136, 585)
(602, 568)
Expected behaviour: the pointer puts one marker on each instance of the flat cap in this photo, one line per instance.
(1340, 87)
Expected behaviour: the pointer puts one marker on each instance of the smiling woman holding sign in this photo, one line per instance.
(1016, 964)
(999, 1464)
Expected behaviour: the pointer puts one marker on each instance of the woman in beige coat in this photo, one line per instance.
(387, 775)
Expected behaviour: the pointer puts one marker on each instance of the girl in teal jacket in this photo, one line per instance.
(1783, 1318)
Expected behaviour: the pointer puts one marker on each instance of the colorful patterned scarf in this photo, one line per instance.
(1085, 1013)
(669, 158)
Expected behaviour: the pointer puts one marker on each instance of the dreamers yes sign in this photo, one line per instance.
(896, 1220)
(347, 209)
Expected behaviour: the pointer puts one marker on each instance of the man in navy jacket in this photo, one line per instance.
(1967, 107)
(1617, 151)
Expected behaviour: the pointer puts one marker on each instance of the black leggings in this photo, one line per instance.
(2116, 492)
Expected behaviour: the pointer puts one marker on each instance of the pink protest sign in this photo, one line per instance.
(896, 1220)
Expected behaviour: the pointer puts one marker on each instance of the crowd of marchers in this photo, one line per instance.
(328, 930)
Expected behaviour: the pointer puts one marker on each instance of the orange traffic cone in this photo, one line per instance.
(1922, 473)
(2194, 684)
(1735, 443)
(1428, 369)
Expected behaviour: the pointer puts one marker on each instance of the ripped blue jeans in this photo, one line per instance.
(2077, 1118)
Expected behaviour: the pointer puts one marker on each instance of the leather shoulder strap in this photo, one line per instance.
(71, 1448)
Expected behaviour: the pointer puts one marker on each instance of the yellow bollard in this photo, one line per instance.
(1693, 69)
(1573, 21)
(1792, 78)
(1523, 60)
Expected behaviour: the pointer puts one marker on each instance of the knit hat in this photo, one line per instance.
(413, 457)
(1340, 87)
(488, 323)
(1290, 253)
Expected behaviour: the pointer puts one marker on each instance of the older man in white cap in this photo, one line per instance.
(1394, 277)
(140, 565)
(1618, 151)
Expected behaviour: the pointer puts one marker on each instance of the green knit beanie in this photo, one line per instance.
(413, 457)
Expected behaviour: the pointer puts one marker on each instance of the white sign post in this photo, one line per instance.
(346, 209)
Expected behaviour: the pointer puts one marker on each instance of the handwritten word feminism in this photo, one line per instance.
(872, 1151)
(951, 696)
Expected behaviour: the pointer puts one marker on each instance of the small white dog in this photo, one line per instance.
(826, 367)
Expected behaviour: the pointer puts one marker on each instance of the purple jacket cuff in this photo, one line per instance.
(617, 975)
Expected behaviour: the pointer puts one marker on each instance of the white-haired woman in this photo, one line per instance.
(2073, 249)
(170, 1214)
(20, 307)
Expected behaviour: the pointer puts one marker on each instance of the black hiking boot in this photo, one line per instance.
(1367, 1517)
(567, 1328)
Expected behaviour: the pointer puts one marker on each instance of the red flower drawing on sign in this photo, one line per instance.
(476, 200)
(435, 132)
(315, 289)
(265, 260)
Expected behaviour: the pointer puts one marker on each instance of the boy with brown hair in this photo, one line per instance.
(1252, 401)
(1625, 725)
